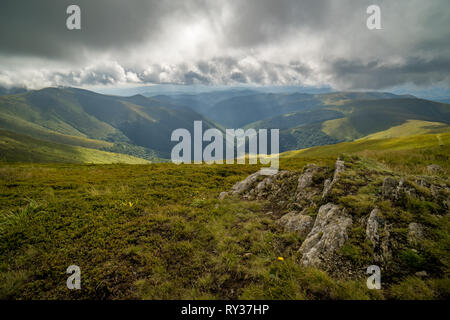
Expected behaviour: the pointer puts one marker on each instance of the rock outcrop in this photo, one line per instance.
(243, 186)
(258, 186)
(377, 232)
(339, 167)
(275, 187)
(293, 198)
(327, 236)
(306, 178)
(374, 222)
(389, 188)
(397, 189)
(297, 222)
(306, 187)
(415, 233)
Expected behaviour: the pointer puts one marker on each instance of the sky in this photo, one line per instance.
(232, 42)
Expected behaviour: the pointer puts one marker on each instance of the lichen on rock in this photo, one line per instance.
(327, 236)
(339, 167)
(297, 222)
(359, 214)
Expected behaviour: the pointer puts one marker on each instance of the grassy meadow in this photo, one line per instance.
(15, 147)
(158, 231)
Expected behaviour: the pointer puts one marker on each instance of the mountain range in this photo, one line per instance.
(140, 126)
(307, 120)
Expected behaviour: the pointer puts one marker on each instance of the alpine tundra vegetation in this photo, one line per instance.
(160, 231)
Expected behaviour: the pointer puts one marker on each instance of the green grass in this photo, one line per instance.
(349, 116)
(340, 129)
(55, 109)
(171, 234)
(409, 154)
(20, 126)
(158, 231)
(384, 118)
(56, 114)
(414, 288)
(410, 128)
(148, 232)
(20, 148)
(370, 116)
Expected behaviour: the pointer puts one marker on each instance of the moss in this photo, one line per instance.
(358, 205)
(357, 290)
(421, 207)
(412, 288)
(441, 288)
(11, 282)
(320, 176)
(352, 252)
(411, 259)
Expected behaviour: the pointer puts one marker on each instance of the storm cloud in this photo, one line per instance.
(266, 42)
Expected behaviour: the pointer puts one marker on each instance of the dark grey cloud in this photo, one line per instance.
(376, 75)
(258, 21)
(309, 42)
(39, 27)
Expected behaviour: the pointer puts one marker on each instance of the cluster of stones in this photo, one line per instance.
(325, 235)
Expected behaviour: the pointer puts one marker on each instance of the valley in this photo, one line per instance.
(141, 126)
(196, 154)
(84, 181)
(160, 231)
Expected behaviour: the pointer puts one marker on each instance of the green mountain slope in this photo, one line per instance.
(307, 120)
(409, 128)
(200, 102)
(59, 114)
(15, 147)
(440, 141)
(57, 110)
(16, 124)
(295, 119)
(339, 98)
(365, 117)
(361, 118)
(239, 111)
(142, 126)
(207, 248)
(245, 109)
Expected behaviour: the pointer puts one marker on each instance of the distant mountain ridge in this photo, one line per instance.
(52, 113)
(307, 120)
(141, 126)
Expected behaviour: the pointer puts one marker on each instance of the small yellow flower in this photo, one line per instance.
(280, 259)
(130, 204)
